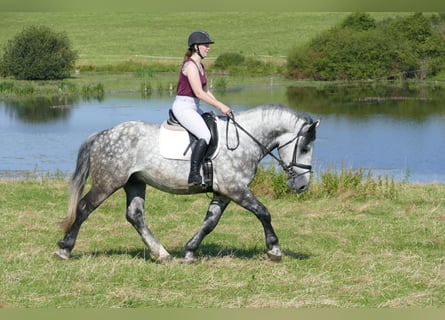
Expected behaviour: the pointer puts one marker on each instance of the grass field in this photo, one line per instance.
(111, 38)
(340, 251)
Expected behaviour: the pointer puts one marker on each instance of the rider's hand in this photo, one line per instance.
(226, 110)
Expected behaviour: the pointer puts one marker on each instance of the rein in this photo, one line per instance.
(286, 168)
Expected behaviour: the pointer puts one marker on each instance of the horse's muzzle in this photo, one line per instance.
(299, 184)
(302, 189)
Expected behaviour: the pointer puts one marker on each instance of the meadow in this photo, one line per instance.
(375, 245)
(111, 38)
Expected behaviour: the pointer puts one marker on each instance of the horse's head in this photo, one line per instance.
(296, 156)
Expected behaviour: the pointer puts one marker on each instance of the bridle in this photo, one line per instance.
(294, 163)
(286, 168)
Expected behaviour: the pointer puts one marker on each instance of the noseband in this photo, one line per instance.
(286, 168)
(294, 163)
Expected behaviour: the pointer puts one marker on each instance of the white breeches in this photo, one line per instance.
(188, 113)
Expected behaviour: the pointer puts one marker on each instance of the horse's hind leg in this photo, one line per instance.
(135, 191)
(214, 213)
(86, 205)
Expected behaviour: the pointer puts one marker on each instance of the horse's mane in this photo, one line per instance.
(282, 112)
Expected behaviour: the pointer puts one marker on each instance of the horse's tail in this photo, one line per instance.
(78, 182)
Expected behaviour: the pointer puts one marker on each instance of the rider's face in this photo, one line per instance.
(204, 49)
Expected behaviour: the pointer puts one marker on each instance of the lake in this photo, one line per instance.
(396, 130)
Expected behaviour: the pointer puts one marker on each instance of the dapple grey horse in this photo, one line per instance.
(128, 156)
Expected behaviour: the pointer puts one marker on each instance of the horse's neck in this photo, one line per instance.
(267, 126)
(265, 122)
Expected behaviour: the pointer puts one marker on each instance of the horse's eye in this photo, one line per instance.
(305, 149)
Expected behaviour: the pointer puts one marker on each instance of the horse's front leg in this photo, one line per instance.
(214, 213)
(248, 201)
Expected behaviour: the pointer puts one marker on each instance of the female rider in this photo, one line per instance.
(192, 88)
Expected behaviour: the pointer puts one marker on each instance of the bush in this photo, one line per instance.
(237, 64)
(360, 49)
(38, 53)
(226, 60)
(359, 21)
(422, 41)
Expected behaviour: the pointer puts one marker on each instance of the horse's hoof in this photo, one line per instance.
(165, 259)
(62, 254)
(274, 255)
(189, 258)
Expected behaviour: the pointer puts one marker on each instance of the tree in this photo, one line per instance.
(359, 21)
(38, 53)
(359, 49)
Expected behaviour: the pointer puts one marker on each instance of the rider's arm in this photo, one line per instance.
(192, 73)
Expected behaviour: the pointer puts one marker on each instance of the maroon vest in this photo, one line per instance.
(184, 88)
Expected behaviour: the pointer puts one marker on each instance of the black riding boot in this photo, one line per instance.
(198, 153)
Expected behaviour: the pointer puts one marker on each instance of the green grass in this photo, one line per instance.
(112, 38)
(340, 250)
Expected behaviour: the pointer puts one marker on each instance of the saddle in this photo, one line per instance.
(176, 143)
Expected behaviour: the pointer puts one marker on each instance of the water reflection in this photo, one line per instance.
(402, 101)
(392, 129)
(40, 109)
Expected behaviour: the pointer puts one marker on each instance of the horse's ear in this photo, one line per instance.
(310, 131)
(313, 125)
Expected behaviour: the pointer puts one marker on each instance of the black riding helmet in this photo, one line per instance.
(199, 37)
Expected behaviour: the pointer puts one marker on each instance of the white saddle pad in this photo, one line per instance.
(174, 143)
